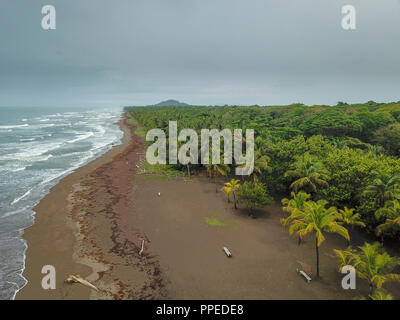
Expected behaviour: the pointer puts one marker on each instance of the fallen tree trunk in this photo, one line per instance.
(78, 279)
(228, 253)
(141, 250)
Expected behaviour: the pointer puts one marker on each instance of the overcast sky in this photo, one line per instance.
(138, 52)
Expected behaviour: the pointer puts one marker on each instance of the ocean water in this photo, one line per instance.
(38, 147)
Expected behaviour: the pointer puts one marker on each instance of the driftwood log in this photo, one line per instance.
(305, 275)
(141, 250)
(78, 279)
(227, 252)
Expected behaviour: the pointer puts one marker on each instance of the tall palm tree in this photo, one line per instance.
(371, 263)
(231, 188)
(309, 173)
(391, 212)
(384, 188)
(316, 219)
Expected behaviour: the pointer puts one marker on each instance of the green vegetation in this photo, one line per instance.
(254, 195)
(214, 222)
(340, 165)
(371, 264)
(349, 217)
(309, 172)
(391, 215)
(316, 219)
(232, 187)
(344, 154)
(139, 130)
(380, 294)
(296, 203)
(160, 169)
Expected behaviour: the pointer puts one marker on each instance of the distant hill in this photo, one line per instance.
(172, 103)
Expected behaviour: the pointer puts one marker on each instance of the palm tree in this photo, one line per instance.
(380, 294)
(310, 173)
(391, 212)
(231, 188)
(350, 218)
(317, 219)
(297, 202)
(227, 192)
(371, 263)
(384, 188)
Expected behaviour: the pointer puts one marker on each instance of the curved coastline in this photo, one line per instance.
(50, 240)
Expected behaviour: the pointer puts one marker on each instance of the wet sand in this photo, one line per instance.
(80, 229)
(94, 222)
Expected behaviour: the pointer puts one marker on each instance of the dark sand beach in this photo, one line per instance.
(94, 221)
(81, 209)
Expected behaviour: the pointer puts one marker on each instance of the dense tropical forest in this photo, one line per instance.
(337, 167)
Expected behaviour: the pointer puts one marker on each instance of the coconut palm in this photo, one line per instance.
(378, 294)
(384, 188)
(310, 174)
(231, 188)
(371, 263)
(317, 219)
(381, 294)
(391, 212)
(297, 202)
(350, 218)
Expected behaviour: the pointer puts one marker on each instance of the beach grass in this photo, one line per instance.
(140, 131)
(161, 169)
(214, 222)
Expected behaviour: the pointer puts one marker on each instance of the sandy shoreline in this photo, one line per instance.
(93, 223)
(57, 236)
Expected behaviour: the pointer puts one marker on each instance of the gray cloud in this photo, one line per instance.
(199, 51)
